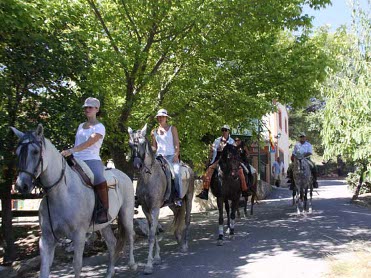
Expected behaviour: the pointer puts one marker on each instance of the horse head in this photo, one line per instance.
(138, 144)
(30, 158)
(230, 161)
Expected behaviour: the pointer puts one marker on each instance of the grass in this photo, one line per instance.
(354, 262)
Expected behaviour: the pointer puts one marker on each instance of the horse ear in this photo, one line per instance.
(130, 131)
(39, 130)
(19, 134)
(144, 130)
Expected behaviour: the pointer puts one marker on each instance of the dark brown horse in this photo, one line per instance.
(252, 189)
(227, 187)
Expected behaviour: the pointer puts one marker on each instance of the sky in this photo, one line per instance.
(335, 15)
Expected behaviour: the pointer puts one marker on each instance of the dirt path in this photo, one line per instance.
(273, 243)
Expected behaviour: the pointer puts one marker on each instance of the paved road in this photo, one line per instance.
(273, 243)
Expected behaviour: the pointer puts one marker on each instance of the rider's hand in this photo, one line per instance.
(175, 159)
(66, 153)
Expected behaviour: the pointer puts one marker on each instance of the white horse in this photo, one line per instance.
(303, 182)
(67, 207)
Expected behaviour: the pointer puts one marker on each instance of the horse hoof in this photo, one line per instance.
(310, 210)
(133, 267)
(220, 242)
(184, 248)
(148, 270)
(157, 261)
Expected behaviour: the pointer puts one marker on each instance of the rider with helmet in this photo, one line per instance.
(215, 153)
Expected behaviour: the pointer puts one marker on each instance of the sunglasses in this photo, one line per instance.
(224, 129)
(237, 140)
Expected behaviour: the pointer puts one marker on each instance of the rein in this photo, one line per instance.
(146, 169)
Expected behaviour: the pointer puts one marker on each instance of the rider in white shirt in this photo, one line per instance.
(305, 148)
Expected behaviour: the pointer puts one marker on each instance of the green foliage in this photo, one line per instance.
(207, 62)
(347, 116)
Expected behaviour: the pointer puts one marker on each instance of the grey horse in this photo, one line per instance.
(152, 192)
(67, 207)
(303, 183)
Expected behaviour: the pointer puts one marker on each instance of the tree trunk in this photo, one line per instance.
(6, 220)
(119, 158)
(360, 182)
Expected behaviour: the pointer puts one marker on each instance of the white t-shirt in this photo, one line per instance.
(82, 135)
(217, 145)
(303, 148)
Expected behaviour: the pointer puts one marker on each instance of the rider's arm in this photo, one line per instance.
(176, 143)
(91, 141)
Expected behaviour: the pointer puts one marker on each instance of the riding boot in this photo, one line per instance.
(243, 182)
(204, 195)
(102, 191)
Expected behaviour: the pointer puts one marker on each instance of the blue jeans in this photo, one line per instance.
(176, 168)
(97, 167)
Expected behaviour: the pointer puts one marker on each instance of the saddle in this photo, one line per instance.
(87, 176)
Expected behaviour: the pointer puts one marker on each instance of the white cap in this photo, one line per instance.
(302, 134)
(92, 102)
(162, 112)
(226, 127)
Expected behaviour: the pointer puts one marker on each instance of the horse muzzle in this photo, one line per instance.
(137, 163)
(24, 185)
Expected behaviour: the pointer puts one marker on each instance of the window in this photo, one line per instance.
(280, 119)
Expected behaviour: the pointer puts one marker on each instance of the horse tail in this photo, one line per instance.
(179, 219)
(122, 234)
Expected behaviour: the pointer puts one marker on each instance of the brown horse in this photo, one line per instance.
(227, 187)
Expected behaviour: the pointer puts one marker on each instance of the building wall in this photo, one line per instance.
(277, 131)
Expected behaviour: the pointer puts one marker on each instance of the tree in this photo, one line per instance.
(347, 116)
(36, 73)
(223, 61)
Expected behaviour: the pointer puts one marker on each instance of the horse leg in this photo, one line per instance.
(305, 199)
(221, 228)
(47, 245)
(152, 219)
(252, 203)
(297, 197)
(127, 216)
(78, 244)
(310, 198)
(233, 216)
(187, 223)
(110, 240)
(293, 196)
(227, 210)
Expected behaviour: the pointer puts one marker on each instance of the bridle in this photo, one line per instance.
(28, 139)
(22, 158)
(137, 156)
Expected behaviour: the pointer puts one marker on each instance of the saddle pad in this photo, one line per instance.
(108, 175)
